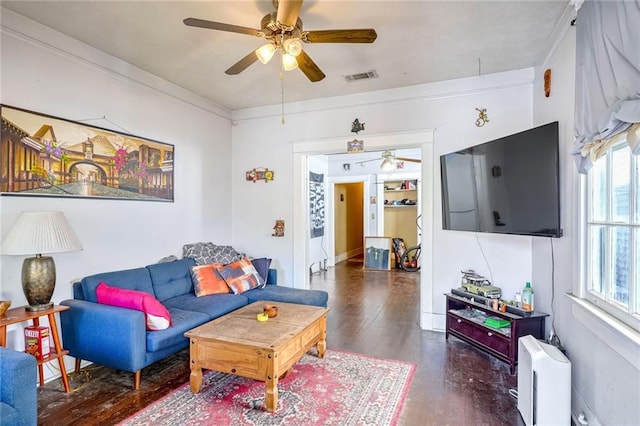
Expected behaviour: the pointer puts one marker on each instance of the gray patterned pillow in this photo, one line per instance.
(205, 253)
(200, 252)
(225, 255)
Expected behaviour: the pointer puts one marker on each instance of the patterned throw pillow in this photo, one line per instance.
(200, 252)
(206, 253)
(225, 254)
(241, 276)
(207, 280)
(157, 316)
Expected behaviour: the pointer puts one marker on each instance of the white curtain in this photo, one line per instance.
(607, 79)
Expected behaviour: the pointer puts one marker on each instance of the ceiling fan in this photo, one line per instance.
(283, 31)
(389, 160)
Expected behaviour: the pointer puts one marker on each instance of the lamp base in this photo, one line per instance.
(38, 282)
(37, 308)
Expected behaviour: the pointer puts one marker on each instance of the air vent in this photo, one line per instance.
(361, 76)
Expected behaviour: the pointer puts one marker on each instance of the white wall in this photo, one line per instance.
(76, 82)
(606, 386)
(448, 107)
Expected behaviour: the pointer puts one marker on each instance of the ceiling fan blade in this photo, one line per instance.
(242, 64)
(410, 160)
(201, 23)
(367, 35)
(288, 12)
(309, 68)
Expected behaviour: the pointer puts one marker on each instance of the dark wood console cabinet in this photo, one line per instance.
(465, 320)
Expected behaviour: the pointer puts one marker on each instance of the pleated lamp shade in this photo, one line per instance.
(40, 232)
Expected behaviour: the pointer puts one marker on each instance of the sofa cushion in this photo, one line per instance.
(171, 279)
(18, 388)
(9, 414)
(183, 321)
(157, 317)
(214, 305)
(241, 276)
(288, 295)
(130, 279)
(207, 280)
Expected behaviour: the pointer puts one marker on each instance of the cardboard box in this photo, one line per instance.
(36, 342)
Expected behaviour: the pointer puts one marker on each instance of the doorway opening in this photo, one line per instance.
(348, 221)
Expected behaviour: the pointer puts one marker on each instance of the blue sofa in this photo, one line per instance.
(116, 337)
(18, 388)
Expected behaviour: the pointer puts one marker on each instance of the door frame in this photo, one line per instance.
(301, 150)
(365, 180)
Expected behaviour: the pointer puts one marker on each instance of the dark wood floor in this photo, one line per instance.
(372, 312)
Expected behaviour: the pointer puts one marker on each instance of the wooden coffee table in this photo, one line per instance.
(237, 343)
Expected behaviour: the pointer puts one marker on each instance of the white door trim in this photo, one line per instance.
(303, 149)
(366, 209)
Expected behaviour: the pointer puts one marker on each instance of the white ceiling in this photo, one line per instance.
(418, 42)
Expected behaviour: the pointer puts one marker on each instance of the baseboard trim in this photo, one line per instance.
(580, 412)
(433, 322)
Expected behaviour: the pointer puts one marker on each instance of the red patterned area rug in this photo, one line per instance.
(340, 389)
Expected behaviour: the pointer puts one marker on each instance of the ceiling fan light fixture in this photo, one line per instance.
(292, 46)
(265, 53)
(289, 62)
(387, 165)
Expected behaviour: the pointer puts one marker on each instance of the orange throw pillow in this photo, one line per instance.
(207, 280)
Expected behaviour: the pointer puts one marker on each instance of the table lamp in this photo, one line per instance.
(37, 233)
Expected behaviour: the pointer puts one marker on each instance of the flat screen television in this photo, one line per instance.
(509, 185)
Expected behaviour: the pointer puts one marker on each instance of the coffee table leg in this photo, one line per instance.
(195, 378)
(322, 347)
(271, 384)
(272, 395)
(322, 343)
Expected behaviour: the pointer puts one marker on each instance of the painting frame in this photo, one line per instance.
(377, 253)
(355, 146)
(43, 155)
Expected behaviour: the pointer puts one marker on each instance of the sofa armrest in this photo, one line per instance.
(18, 380)
(272, 277)
(104, 334)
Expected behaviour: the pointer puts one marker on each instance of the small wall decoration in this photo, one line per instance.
(54, 157)
(355, 146)
(547, 82)
(357, 126)
(278, 229)
(482, 117)
(260, 173)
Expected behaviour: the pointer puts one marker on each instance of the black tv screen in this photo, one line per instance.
(510, 185)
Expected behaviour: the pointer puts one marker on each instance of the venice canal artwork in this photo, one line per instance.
(49, 156)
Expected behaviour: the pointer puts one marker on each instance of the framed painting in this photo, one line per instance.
(41, 155)
(355, 146)
(377, 253)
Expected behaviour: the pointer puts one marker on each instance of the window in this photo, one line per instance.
(613, 234)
